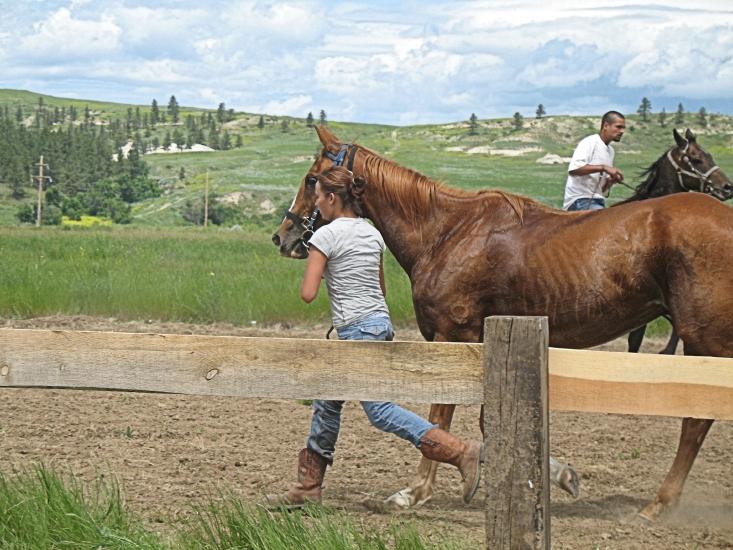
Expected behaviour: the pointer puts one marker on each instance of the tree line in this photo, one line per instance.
(644, 111)
(84, 177)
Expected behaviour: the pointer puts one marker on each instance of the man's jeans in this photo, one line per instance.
(587, 204)
(385, 416)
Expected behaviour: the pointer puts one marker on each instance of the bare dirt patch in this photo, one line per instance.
(170, 452)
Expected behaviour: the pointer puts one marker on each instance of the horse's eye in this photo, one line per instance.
(310, 181)
(695, 160)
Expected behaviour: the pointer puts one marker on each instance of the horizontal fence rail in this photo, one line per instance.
(415, 372)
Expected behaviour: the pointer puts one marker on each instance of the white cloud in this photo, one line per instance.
(281, 22)
(62, 37)
(391, 62)
(291, 106)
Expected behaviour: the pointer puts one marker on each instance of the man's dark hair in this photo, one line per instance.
(610, 116)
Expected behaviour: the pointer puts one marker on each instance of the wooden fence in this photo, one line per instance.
(508, 373)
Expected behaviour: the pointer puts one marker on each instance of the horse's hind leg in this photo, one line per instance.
(635, 338)
(671, 347)
(561, 474)
(421, 487)
(693, 434)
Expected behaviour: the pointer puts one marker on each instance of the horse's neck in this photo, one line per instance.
(664, 182)
(407, 239)
(667, 182)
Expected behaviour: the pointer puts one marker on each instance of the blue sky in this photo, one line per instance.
(398, 63)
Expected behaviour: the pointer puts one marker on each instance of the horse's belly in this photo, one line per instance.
(577, 330)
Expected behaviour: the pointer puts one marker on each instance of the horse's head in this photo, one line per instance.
(696, 169)
(302, 218)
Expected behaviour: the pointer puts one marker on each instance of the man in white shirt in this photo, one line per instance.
(591, 173)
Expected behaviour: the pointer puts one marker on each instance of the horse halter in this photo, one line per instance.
(308, 224)
(706, 184)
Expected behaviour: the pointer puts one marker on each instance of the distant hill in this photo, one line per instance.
(259, 176)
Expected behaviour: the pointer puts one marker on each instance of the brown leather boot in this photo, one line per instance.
(311, 469)
(467, 456)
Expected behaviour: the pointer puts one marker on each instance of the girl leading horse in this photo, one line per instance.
(596, 276)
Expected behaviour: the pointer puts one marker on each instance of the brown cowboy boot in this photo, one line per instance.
(311, 469)
(467, 456)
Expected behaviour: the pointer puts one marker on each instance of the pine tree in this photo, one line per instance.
(309, 120)
(645, 108)
(679, 116)
(226, 141)
(238, 143)
(284, 125)
(702, 117)
(213, 141)
(173, 109)
(662, 118)
(322, 118)
(154, 113)
(261, 122)
(518, 121)
(473, 124)
(540, 112)
(221, 113)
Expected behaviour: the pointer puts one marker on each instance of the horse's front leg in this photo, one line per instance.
(693, 434)
(420, 489)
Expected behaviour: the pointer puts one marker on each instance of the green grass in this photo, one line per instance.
(163, 268)
(167, 274)
(41, 509)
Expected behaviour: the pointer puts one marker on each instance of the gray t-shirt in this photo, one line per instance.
(353, 248)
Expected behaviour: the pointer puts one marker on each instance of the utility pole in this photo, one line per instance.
(206, 200)
(41, 179)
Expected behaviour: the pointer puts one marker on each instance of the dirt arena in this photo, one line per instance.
(171, 451)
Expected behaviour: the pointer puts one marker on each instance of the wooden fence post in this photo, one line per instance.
(516, 433)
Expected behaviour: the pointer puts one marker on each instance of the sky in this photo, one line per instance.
(397, 63)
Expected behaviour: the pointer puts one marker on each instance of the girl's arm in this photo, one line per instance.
(382, 284)
(314, 268)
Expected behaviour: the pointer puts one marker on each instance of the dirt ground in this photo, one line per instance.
(170, 452)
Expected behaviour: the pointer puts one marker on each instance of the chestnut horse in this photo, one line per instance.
(686, 167)
(595, 275)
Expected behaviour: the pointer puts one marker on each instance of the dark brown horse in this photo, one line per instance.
(684, 168)
(474, 254)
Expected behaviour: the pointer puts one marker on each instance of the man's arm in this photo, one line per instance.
(614, 173)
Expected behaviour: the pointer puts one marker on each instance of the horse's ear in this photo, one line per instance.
(326, 136)
(681, 142)
(689, 135)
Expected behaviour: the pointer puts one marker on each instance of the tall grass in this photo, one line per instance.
(172, 274)
(40, 509)
(235, 525)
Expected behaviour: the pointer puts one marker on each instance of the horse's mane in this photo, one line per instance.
(646, 188)
(415, 194)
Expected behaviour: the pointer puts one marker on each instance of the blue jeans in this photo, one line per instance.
(587, 204)
(383, 415)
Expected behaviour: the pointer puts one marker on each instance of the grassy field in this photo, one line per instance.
(169, 274)
(163, 268)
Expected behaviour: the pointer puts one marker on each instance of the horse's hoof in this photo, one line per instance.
(651, 512)
(570, 482)
(401, 499)
(406, 498)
